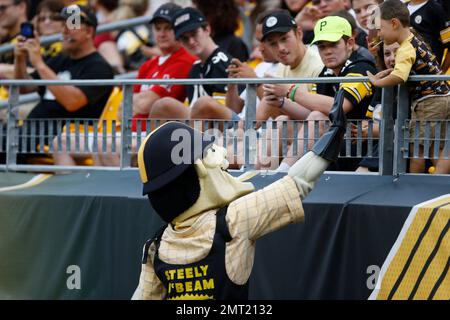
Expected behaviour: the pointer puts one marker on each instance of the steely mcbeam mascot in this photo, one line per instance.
(207, 249)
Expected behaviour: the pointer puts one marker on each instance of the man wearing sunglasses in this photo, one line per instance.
(79, 60)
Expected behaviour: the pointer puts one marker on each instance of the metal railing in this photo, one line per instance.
(394, 140)
(34, 96)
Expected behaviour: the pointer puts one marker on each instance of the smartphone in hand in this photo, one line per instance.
(373, 37)
(27, 30)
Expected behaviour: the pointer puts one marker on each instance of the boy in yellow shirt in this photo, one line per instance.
(430, 100)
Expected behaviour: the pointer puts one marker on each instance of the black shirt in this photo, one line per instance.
(359, 93)
(234, 46)
(361, 37)
(214, 67)
(92, 66)
(446, 5)
(429, 21)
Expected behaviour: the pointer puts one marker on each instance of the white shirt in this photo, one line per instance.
(414, 7)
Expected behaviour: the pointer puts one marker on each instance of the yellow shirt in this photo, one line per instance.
(414, 57)
(248, 218)
(310, 67)
(404, 59)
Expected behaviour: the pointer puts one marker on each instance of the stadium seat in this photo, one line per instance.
(109, 114)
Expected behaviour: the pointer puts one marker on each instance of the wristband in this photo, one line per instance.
(292, 95)
(289, 91)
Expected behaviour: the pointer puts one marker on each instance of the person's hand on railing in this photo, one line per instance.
(374, 78)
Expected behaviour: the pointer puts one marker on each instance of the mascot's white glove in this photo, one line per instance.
(306, 171)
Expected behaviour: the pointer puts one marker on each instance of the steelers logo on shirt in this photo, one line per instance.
(418, 19)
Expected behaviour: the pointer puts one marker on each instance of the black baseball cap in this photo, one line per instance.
(86, 14)
(187, 20)
(165, 12)
(280, 21)
(161, 157)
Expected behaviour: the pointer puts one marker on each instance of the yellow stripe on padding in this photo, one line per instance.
(141, 163)
(417, 266)
(437, 265)
(38, 179)
(424, 251)
(442, 292)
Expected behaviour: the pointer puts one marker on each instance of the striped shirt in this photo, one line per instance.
(414, 57)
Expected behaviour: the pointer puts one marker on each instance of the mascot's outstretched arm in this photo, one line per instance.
(308, 169)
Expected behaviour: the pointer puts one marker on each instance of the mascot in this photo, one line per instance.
(206, 250)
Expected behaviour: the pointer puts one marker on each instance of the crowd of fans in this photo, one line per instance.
(385, 40)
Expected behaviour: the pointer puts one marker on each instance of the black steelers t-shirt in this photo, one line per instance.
(358, 93)
(214, 67)
(431, 21)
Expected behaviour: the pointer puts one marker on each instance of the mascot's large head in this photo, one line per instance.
(184, 173)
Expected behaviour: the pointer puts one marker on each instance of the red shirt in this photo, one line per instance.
(176, 66)
(103, 37)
